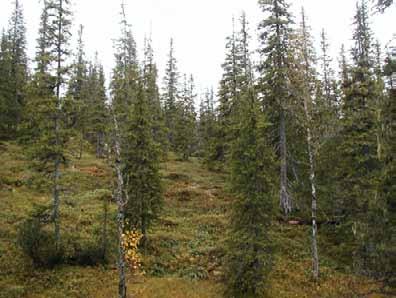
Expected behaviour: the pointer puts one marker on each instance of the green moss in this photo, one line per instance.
(185, 247)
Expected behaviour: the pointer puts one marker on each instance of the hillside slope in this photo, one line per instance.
(186, 245)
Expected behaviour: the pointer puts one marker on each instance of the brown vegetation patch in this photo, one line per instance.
(92, 171)
(177, 177)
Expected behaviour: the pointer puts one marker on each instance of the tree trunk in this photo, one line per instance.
(99, 144)
(56, 191)
(105, 224)
(315, 257)
(81, 145)
(120, 213)
(98, 153)
(56, 197)
(285, 200)
(307, 103)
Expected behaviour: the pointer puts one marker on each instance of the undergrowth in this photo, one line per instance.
(185, 248)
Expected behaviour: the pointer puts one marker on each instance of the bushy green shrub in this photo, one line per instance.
(87, 253)
(37, 241)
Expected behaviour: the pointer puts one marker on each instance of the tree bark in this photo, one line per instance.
(307, 103)
(315, 257)
(56, 192)
(119, 196)
(285, 200)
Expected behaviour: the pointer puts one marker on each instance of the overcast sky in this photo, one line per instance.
(199, 27)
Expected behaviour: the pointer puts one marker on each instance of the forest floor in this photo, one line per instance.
(185, 247)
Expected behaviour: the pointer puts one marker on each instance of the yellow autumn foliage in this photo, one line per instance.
(130, 242)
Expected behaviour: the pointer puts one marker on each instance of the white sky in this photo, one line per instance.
(199, 27)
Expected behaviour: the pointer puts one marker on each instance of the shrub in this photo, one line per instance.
(37, 242)
(130, 242)
(88, 253)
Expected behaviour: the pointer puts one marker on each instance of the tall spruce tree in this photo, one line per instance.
(46, 106)
(60, 32)
(237, 72)
(17, 75)
(77, 83)
(186, 121)
(207, 128)
(5, 94)
(359, 166)
(228, 96)
(170, 95)
(132, 101)
(41, 89)
(380, 101)
(125, 76)
(150, 77)
(389, 177)
(96, 113)
(329, 85)
(248, 258)
(124, 86)
(141, 170)
(274, 83)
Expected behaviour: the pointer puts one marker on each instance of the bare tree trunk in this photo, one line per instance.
(56, 196)
(307, 103)
(119, 196)
(285, 200)
(315, 256)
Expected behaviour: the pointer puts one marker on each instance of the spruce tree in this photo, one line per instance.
(76, 91)
(237, 72)
(249, 251)
(170, 95)
(5, 91)
(359, 165)
(388, 181)
(41, 89)
(228, 97)
(96, 114)
(143, 183)
(207, 128)
(133, 96)
(186, 121)
(46, 106)
(329, 85)
(380, 101)
(77, 83)
(60, 31)
(150, 77)
(17, 75)
(125, 76)
(274, 83)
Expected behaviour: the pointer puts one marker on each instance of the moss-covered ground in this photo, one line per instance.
(183, 258)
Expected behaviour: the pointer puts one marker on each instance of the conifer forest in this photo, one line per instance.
(277, 181)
